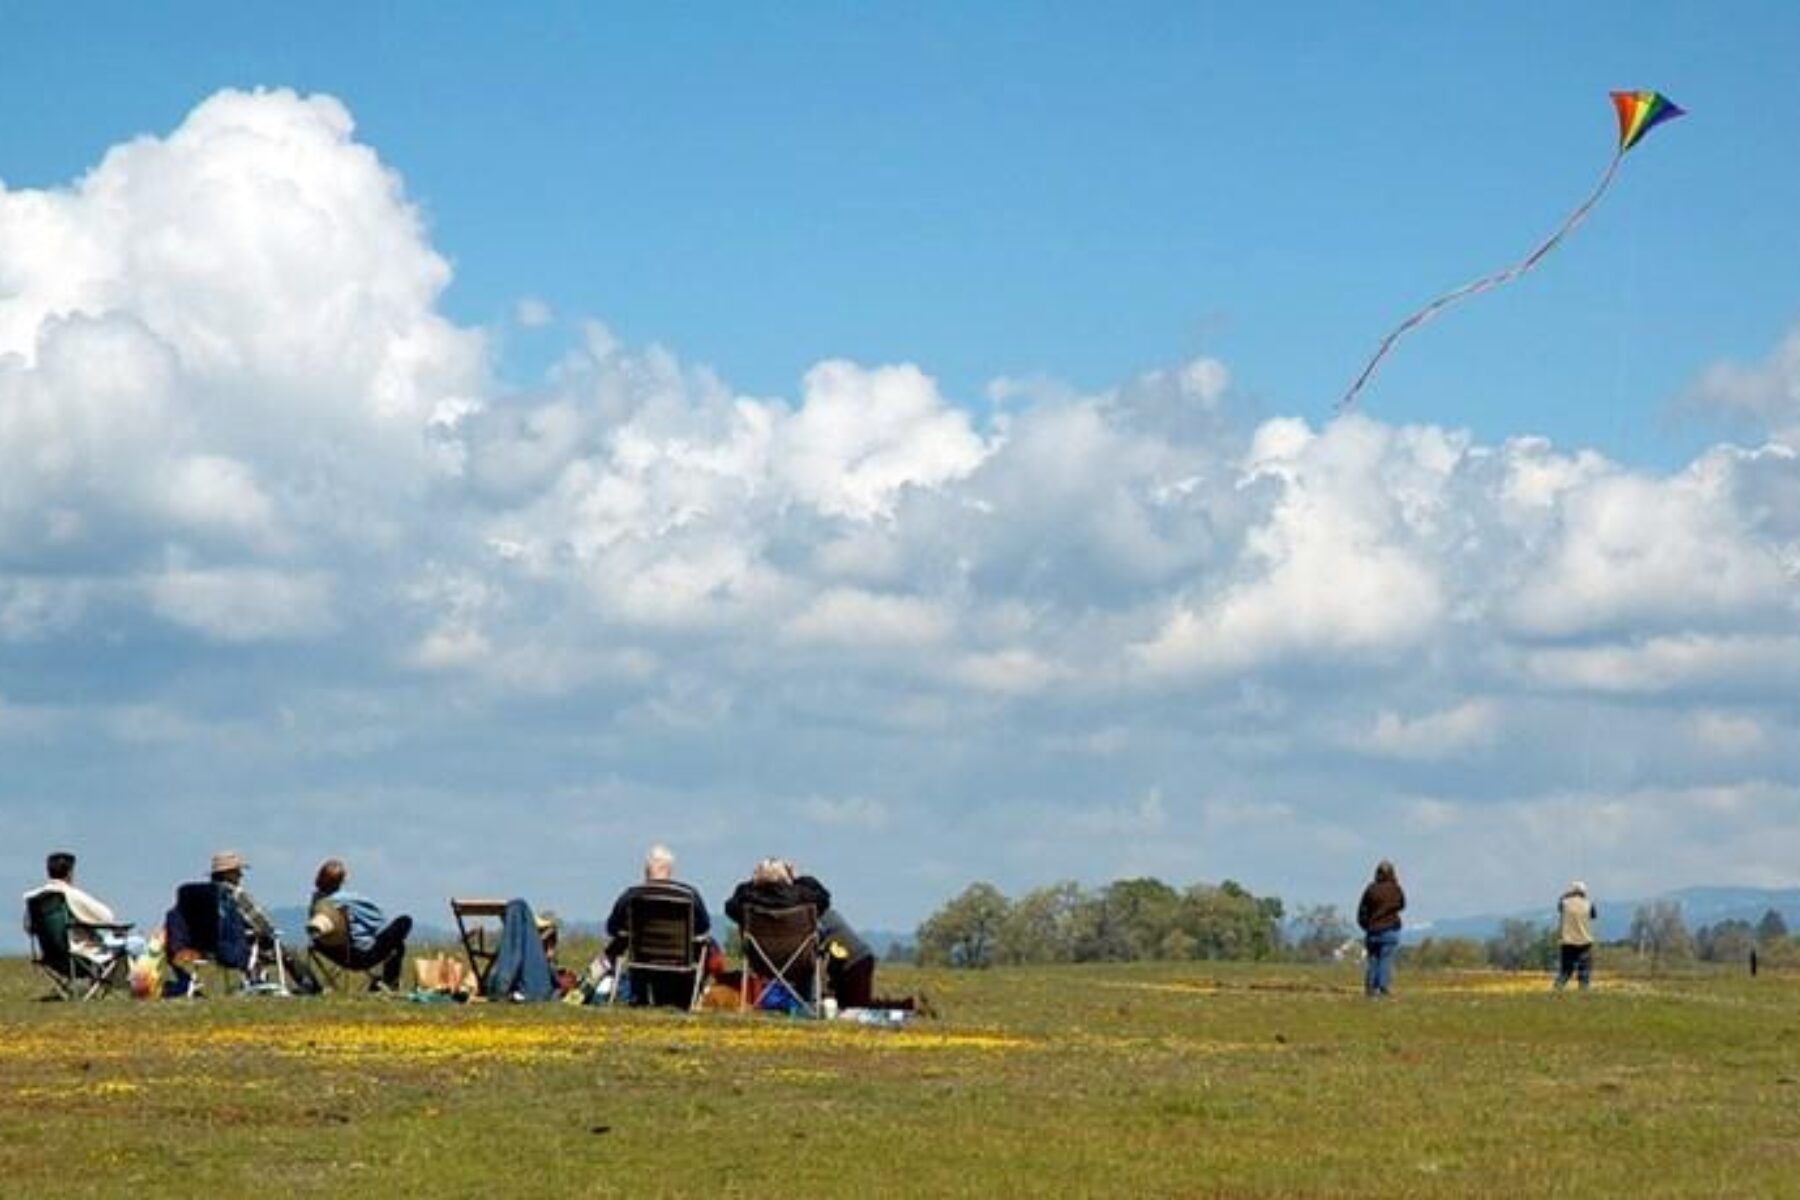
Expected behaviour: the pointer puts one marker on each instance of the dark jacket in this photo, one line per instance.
(804, 890)
(1382, 902)
(620, 919)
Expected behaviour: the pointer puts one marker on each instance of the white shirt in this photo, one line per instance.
(83, 908)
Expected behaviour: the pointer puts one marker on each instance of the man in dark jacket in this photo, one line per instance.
(659, 880)
(849, 960)
(1379, 916)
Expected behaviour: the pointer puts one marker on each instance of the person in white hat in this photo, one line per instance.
(1575, 917)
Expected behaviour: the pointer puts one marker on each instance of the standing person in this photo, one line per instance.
(370, 939)
(1575, 917)
(1379, 916)
(59, 868)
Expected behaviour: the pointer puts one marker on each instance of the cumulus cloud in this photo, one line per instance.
(259, 494)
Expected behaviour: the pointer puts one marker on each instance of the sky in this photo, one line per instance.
(898, 438)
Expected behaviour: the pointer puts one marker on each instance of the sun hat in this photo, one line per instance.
(228, 860)
(1578, 887)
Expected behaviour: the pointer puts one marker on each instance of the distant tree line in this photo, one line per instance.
(1128, 920)
(1659, 935)
(1131, 920)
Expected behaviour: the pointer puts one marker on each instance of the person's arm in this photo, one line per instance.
(734, 903)
(87, 910)
(1400, 892)
(254, 916)
(618, 920)
(1362, 912)
(702, 921)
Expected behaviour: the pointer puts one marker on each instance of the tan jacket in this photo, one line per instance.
(1575, 920)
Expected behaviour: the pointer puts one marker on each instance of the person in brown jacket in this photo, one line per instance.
(1379, 916)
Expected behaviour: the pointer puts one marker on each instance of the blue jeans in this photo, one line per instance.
(1382, 948)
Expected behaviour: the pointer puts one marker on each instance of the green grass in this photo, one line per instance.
(1160, 1080)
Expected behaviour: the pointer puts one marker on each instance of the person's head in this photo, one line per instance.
(659, 863)
(228, 866)
(771, 870)
(1578, 888)
(1384, 872)
(330, 877)
(60, 865)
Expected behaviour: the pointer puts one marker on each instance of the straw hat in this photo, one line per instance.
(228, 860)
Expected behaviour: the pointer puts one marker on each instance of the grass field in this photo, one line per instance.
(1201, 1079)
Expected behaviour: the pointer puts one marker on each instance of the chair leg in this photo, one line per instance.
(619, 969)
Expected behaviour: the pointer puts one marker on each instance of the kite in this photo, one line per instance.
(1639, 113)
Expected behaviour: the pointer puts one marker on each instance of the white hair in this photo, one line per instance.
(659, 862)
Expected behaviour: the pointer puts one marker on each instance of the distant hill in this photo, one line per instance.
(1699, 906)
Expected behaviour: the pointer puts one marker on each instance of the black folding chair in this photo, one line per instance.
(781, 945)
(54, 930)
(207, 913)
(660, 944)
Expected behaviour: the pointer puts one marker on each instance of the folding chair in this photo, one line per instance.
(216, 937)
(328, 950)
(660, 942)
(781, 945)
(472, 927)
(77, 976)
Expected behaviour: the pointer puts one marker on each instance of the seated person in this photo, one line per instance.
(849, 961)
(94, 946)
(659, 879)
(369, 941)
(227, 870)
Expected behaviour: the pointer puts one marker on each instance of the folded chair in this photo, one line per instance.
(206, 929)
(781, 945)
(77, 976)
(660, 944)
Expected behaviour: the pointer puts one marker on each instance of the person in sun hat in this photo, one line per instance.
(227, 870)
(1575, 917)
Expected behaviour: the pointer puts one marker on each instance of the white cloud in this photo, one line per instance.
(1468, 726)
(232, 409)
(861, 436)
(244, 604)
(533, 313)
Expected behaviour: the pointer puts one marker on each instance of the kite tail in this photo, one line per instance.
(1485, 283)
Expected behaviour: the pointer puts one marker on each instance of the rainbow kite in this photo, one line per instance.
(1639, 113)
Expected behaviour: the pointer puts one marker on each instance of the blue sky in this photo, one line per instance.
(901, 434)
(1010, 190)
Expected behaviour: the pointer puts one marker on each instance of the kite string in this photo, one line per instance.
(1485, 283)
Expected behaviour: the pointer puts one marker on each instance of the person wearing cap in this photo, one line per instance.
(369, 940)
(1575, 917)
(227, 870)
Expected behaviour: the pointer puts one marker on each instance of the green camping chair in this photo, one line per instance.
(77, 976)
